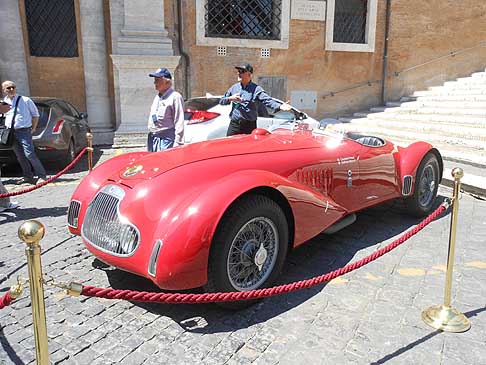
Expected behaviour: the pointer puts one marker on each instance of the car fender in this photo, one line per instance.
(183, 258)
(409, 159)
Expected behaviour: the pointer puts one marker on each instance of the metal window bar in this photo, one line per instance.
(51, 28)
(249, 19)
(350, 21)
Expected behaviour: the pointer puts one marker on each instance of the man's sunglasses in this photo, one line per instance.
(10, 87)
(240, 71)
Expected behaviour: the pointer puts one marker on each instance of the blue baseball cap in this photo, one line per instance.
(162, 72)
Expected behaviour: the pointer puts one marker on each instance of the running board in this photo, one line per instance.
(346, 221)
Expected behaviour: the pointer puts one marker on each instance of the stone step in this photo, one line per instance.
(129, 140)
(481, 74)
(450, 148)
(444, 104)
(393, 104)
(421, 109)
(452, 97)
(464, 132)
(450, 92)
(462, 120)
(459, 87)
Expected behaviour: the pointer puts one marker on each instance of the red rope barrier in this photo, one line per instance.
(173, 298)
(51, 179)
(6, 300)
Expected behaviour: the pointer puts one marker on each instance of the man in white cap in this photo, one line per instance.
(166, 120)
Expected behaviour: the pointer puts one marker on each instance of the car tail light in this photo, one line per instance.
(199, 116)
(58, 127)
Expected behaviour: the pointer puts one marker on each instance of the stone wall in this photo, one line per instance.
(419, 31)
(422, 31)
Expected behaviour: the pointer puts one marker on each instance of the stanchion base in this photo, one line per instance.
(446, 319)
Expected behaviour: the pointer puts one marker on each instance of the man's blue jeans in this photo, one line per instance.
(23, 148)
(160, 141)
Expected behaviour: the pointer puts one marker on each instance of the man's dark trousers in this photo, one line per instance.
(241, 127)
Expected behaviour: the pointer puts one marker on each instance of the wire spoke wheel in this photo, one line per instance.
(252, 254)
(427, 186)
(427, 182)
(249, 247)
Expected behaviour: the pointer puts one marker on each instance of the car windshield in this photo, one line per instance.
(201, 103)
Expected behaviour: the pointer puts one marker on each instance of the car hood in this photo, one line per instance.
(151, 165)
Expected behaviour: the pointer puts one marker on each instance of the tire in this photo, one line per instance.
(426, 185)
(70, 153)
(239, 259)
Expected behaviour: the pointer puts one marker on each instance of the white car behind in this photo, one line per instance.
(206, 119)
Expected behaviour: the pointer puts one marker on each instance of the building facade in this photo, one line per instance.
(328, 58)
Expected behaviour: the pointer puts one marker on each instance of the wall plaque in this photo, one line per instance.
(308, 10)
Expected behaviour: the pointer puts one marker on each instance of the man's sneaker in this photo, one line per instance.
(26, 180)
(11, 205)
(40, 180)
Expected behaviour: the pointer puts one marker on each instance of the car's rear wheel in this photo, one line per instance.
(426, 185)
(249, 248)
(71, 152)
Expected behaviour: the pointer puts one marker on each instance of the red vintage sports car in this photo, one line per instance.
(223, 214)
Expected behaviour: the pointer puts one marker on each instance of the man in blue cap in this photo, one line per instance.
(245, 95)
(166, 121)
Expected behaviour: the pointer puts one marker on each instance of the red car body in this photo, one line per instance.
(173, 201)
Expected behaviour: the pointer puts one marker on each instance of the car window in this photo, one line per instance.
(63, 107)
(44, 112)
(72, 109)
(201, 103)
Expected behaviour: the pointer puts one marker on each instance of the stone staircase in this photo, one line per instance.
(452, 117)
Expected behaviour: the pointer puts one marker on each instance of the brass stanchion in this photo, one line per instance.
(31, 232)
(89, 137)
(443, 317)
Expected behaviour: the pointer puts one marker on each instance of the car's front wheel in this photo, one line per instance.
(426, 185)
(249, 247)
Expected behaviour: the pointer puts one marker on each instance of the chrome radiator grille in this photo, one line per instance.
(103, 226)
(73, 213)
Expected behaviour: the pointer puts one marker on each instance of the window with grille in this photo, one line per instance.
(350, 21)
(253, 19)
(51, 28)
(243, 23)
(351, 25)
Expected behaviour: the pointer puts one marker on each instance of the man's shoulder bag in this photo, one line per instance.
(6, 134)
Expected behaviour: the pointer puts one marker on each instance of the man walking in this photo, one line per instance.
(166, 121)
(23, 117)
(245, 95)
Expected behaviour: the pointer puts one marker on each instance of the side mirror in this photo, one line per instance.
(83, 115)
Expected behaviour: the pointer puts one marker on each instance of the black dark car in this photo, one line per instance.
(60, 134)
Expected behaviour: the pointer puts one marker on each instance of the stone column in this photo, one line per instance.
(141, 47)
(98, 104)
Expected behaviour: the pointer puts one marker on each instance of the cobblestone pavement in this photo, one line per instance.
(371, 315)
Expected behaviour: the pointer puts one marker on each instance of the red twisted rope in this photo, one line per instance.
(51, 179)
(174, 298)
(6, 300)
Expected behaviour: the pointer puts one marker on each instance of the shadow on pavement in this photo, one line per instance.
(410, 346)
(20, 214)
(53, 166)
(318, 256)
(5, 346)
